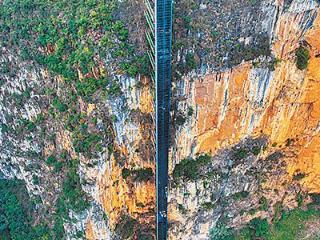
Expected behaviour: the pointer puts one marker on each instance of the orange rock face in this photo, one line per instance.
(283, 104)
(120, 195)
(231, 105)
(90, 235)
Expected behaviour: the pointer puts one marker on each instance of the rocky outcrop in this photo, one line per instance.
(24, 151)
(252, 99)
(247, 105)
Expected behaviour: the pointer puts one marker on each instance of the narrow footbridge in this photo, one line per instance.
(159, 36)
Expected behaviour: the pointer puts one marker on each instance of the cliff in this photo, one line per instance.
(77, 116)
(260, 124)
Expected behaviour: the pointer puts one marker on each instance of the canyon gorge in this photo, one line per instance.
(77, 118)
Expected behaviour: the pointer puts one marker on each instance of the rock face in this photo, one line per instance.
(134, 131)
(238, 96)
(80, 137)
(252, 100)
(111, 194)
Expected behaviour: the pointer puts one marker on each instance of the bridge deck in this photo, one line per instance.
(163, 35)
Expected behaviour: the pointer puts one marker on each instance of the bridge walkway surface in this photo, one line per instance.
(160, 13)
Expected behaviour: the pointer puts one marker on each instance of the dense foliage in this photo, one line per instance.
(68, 36)
(221, 232)
(139, 175)
(290, 225)
(16, 213)
(190, 169)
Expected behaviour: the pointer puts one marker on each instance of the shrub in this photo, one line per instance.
(298, 176)
(180, 120)
(316, 198)
(73, 197)
(260, 227)
(60, 106)
(125, 173)
(145, 236)
(302, 57)
(16, 212)
(299, 199)
(189, 168)
(263, 203)
(139, 175)
(190, 62)
(88, 87)
(293, 223)
(4, 128)
(53, 161)
(240, 195)
(207, 205)
(221, 232)
(182, 209)
(256, 150)
(190, 111)
(126, 226)
(240, 154)
(85, 143)
(143, 174)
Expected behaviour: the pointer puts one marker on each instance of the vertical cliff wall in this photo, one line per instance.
(233, 109)
(77, 114)
(77, 117)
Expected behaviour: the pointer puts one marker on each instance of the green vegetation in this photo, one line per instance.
(240, 195)
(298, 176)
(190, 111)
(263, 204)
(190, 62)
(207, 205)
(259, 227)
(125, 173)
(86, 89)
(126, 226)
(16, 213)
(60, 106)
(73, 41)
(256, 150)
(72, 197)
(289, 141)
(180, 119)
(240, 153)
(302, 57)
(142, 174)
(249, 52)
(316, 198)
(290, 225)
(273, 64)
(190, 169)
(182, 209)
(139, 175)
(53, 161)
(221, 232)
(300, 199)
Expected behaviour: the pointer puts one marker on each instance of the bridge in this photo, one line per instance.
(159, 36)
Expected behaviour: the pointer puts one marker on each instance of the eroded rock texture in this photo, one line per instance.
(269, 99)
(238, 96)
